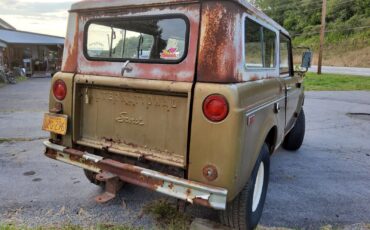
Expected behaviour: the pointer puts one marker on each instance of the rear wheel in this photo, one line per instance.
(245, 211)
(91, 176)
(294, 140)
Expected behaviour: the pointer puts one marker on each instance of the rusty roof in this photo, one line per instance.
(94, 4)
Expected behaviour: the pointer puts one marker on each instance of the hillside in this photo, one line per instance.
(347, 40)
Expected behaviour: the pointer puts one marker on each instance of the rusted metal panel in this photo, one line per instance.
(69, 63)
(192, 192)
(75, 61)
(138, 118)
(103, 4)
(109, 4)
(219, 42)
(221, 53)
(220, 49)
(112, 185)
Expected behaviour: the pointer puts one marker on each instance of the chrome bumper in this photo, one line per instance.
(192, 192)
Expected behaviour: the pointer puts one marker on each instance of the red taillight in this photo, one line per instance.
(60, 90)
(215, 108)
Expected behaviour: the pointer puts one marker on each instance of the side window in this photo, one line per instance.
(285, 54)
(260, 46)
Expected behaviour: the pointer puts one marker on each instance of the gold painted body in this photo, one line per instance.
(162, 120)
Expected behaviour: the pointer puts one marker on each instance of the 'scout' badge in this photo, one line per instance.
(124, 118)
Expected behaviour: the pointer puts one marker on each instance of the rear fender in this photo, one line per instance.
(66, 106)
(252, 150)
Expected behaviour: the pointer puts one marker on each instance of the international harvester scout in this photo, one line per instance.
(186, 98)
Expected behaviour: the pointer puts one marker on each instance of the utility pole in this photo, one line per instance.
(322, 35)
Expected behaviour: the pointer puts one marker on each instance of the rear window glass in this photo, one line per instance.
(137, 39)
(260, 46)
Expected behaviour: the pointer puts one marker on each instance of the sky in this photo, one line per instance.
(39, 16)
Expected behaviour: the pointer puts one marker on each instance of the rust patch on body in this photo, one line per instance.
(210, 172)
(51, 154)
(71, 45)
(217, 54)
(130, 174)
(182, 72)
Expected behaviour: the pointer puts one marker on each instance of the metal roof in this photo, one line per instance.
(22, 37)
(94, 4)
(5, 25)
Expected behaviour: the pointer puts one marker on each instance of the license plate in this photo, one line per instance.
(55, 123)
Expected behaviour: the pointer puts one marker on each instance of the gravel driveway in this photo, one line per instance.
(326, 182)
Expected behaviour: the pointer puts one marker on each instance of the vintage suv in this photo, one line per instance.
(187, 98)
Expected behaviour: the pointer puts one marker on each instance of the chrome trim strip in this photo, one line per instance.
(263, 106)
(55, 147)
(92, 157)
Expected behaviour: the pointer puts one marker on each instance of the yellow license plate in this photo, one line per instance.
(55, 123)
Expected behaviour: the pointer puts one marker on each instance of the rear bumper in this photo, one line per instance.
(192, 192)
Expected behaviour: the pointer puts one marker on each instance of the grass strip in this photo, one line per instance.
(335, 82)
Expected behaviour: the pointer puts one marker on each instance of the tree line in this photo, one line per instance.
(302, 18)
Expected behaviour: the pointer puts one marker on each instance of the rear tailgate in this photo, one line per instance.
(145, 112)
(140, 118)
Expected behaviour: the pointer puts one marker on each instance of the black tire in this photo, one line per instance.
(239, 213)
(294, 140)
(91, 176)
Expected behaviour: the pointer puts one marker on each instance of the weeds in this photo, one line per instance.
(167, 215)
(69, 227)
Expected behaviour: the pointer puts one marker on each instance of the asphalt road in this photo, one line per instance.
(325, 182)
(343, 70)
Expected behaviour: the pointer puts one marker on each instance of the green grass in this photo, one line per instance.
(164, 213)
(334, 82)
(167, 216)
(7, 140)
(21, 78)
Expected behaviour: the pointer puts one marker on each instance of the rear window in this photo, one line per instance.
(155, 39)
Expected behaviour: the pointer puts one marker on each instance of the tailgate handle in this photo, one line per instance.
(125, 68)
